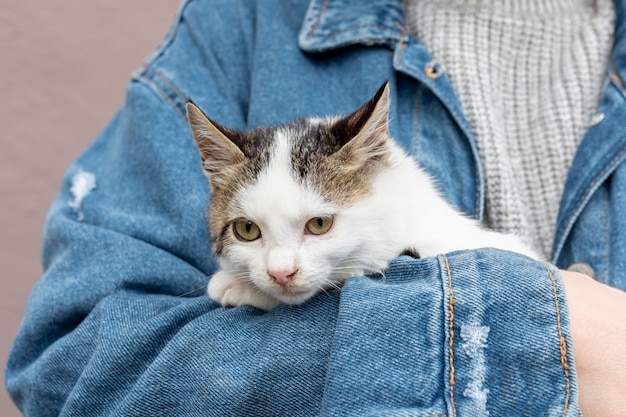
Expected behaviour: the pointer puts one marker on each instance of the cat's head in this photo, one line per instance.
(281, 195)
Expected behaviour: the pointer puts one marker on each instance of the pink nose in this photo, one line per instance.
(283, 277)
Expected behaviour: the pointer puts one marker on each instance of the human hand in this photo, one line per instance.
(598, 322)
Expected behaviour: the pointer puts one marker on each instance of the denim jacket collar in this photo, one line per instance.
(334, 24)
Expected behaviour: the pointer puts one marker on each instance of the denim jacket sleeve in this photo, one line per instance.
(120, 324)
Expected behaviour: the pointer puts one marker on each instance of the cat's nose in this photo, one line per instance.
(283, 276)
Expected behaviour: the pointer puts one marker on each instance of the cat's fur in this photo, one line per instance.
(346, 169)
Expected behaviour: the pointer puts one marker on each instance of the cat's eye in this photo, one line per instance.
(246, 230)
(319, 225)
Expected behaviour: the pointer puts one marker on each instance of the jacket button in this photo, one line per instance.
(433, 69)
(583, 268)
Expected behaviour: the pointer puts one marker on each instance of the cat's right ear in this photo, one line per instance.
(216, 144)
(365, 132)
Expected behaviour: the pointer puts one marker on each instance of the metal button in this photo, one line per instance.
(433, 69)
(582, 268)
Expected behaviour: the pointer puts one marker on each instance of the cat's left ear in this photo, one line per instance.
(366, 131)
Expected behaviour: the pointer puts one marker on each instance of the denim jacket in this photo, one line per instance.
(120, 323)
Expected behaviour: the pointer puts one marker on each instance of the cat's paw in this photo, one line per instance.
(230, 291)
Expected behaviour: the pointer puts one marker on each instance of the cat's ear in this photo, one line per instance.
(366, 131)
(216, 143)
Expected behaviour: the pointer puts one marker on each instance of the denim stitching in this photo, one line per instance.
(605, 221)
(401, 51)
(163, 78)
(613, 75)
(402, 43)
(350, 29)
(477, 196)
(152, 75)
(402, 27)
(562, 342)
(312, 34)
(566, 224)
(163, 94)
(451, 304)
(319, 18)
(617, 80)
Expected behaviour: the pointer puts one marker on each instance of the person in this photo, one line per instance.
(120, 323)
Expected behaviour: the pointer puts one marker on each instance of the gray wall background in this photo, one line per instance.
(64, 66)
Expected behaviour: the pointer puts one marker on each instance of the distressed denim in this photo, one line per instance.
(120, 323)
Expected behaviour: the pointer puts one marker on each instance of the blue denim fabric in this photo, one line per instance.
(120, 324)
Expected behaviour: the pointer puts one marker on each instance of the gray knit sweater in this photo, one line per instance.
(528, 75)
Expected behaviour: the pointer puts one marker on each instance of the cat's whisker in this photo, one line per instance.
(347, 268)
(322, 289)
(242, 276)
(328, 286)
(202, 288)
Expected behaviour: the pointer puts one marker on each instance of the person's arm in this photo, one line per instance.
(597, 314)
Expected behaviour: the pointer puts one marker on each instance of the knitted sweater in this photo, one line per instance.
(528, 75)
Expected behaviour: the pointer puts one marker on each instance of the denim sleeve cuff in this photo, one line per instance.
(470, 333)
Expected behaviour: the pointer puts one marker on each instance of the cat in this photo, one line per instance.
(300, 208)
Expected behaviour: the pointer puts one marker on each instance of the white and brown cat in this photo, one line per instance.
(300, 208)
